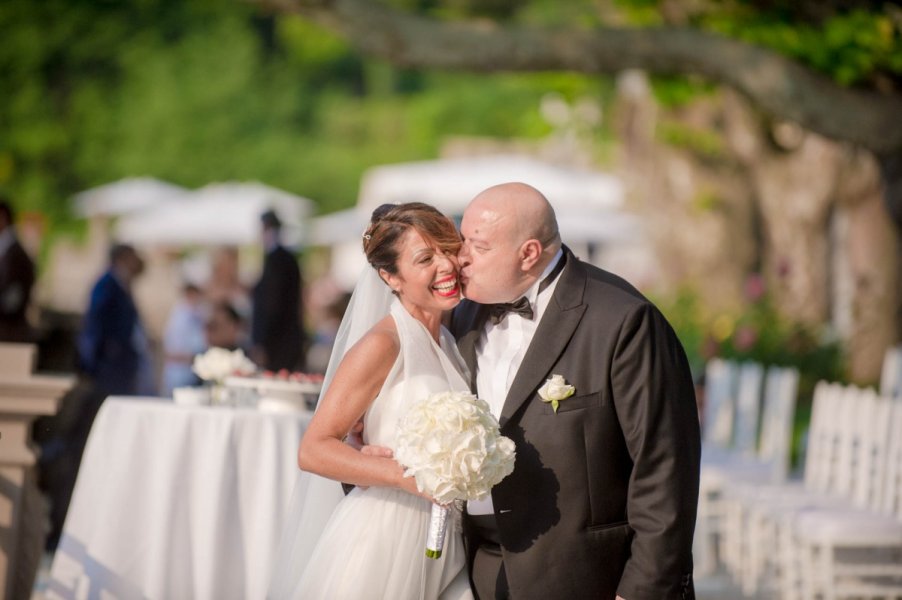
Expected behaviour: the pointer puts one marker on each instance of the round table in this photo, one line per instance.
(177, 502)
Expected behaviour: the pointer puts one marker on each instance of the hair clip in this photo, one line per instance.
(367, 236)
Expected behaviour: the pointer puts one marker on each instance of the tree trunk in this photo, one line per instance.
(795, 192)
(891, 176)
(867, 282)
(699, 214)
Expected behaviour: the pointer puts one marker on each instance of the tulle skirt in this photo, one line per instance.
(373, 547)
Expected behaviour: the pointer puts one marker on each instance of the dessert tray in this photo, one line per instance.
(298, 392)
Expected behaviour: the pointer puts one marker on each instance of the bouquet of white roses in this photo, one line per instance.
(451, 444)
(218, 363)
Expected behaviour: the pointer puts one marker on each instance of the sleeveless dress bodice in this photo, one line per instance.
(374, 543)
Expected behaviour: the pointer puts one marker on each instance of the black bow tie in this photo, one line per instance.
(498, 311)
(521, 307)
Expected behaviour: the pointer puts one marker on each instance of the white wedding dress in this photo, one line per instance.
(373, 546)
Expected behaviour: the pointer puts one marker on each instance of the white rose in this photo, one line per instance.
(554, 390)
(218, 363)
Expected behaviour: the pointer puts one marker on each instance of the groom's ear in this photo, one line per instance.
(530, 253)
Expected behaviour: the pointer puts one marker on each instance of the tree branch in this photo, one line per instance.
(780, 86)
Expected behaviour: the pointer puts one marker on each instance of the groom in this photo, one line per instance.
(602, 500)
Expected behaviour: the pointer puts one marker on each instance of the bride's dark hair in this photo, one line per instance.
(390, 221)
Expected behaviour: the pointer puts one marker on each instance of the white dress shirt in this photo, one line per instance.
(500, 351)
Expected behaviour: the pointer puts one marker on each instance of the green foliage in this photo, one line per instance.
(855, 43)
(672, 91)
(758, 333)
(703, 142)
(203, 90)
(706, 201)
(197, 91)
(852, 48)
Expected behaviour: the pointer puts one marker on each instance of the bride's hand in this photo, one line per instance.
(409, 484)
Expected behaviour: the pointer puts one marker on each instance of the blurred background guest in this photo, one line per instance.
(183, 338)
(225, 328)
(112, 346)
(224, 284)
(16, 280)
(276, 333)
(324, 335)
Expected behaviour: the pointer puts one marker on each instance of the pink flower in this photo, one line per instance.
(745, 337)
(754, 287)
(784, 268)
(710, 348)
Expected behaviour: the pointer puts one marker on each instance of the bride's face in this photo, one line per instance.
(426, 277)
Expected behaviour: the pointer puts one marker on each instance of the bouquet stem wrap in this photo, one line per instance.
(438, 524)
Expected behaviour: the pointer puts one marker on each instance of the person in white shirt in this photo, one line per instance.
(183, 339)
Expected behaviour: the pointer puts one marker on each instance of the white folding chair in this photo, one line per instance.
(891, 374)
(780, 393)
(718, 462)
(748, 409)
(856, 551)
(770, 467)
(753, 509)
(720, 402)
(717, 433)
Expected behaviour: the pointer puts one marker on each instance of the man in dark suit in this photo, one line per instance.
(602, 499)
(16, 280)
(276, 332)
(112, 345)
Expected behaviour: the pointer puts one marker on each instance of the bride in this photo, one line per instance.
(373, 543)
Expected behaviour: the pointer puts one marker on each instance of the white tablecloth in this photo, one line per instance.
(177, 502)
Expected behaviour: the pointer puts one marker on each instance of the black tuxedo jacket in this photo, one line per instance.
(16, 280)
(276, 318)
(603, 495)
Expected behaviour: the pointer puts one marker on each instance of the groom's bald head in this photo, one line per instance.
(524, 211)
(510, 235)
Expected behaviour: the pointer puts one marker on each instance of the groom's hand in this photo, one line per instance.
(355, 440)
(377, 451)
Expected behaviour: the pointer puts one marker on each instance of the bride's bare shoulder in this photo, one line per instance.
(380, 344)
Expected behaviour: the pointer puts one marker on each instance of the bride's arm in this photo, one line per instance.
(357, 381)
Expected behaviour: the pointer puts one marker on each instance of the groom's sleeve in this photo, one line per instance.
(655, 402)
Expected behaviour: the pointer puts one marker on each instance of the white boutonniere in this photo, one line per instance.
(554, 390)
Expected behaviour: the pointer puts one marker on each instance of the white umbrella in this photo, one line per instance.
(126, 196)
(587, 203)
(337, 227)
(606, 226)
(576, 226)
(218, 214)
(450, 184)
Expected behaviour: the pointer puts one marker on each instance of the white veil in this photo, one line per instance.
(314, 497)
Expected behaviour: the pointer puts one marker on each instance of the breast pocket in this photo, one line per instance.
(574, 403)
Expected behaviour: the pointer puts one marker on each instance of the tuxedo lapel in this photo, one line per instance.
(472, 323)
(559, 321)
